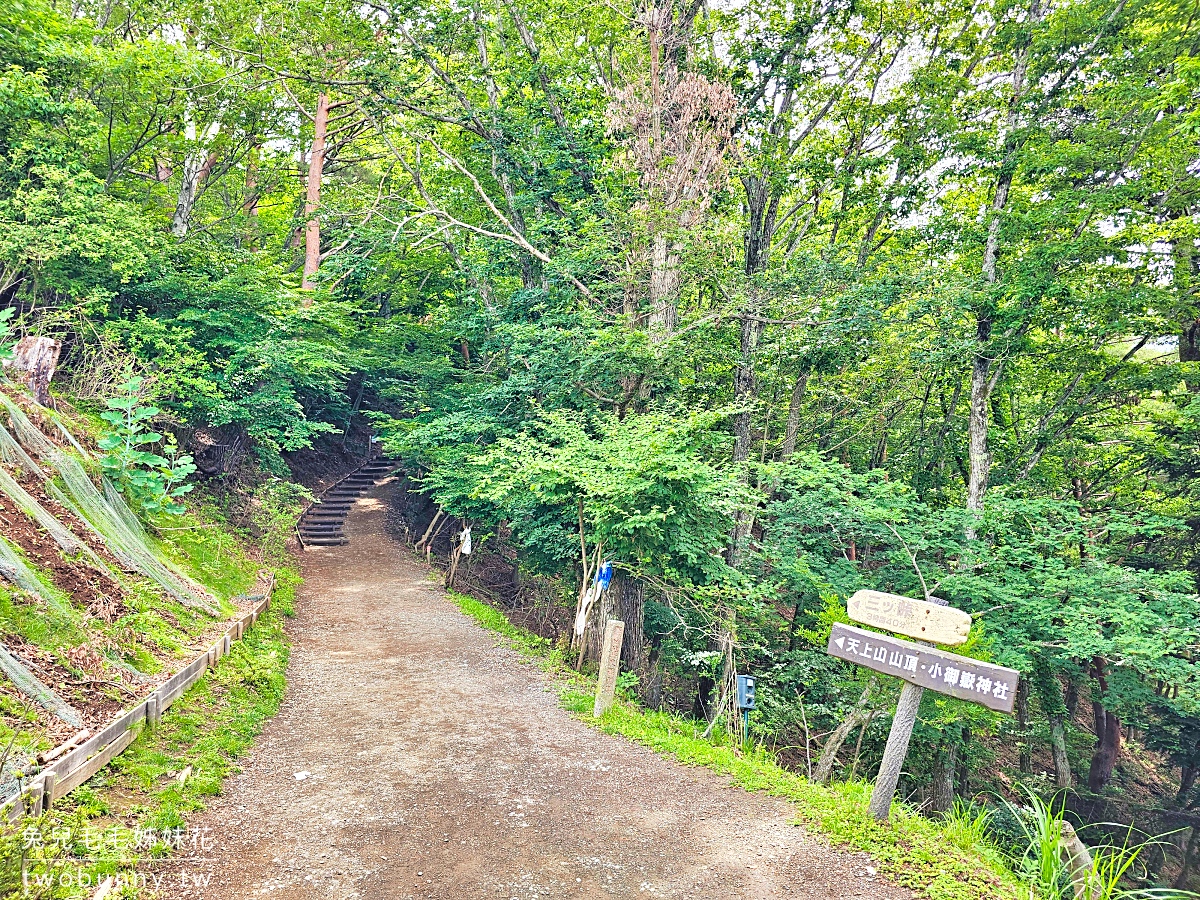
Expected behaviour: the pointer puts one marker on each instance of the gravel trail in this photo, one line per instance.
(414, 758)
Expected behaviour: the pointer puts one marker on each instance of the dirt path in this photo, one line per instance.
(439, 766)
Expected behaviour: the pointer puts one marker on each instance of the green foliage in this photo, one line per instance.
(895, 296)
(157, 480)
(5, 326)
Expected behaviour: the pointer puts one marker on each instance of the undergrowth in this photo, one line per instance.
(912, 850)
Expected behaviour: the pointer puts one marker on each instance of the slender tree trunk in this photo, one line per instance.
(1072, 699)
(1187, 781)
(1189, 342)
(312, 197)
(1108, 748)
(1187, 283)
(941, 794)
(792, 428)
(250, 203)
(979, 459)
(664, 288)
(982, 377)
(744, 394)
(1189, 350)
(1026, 764)
(1189, 857)
(196, 167)
(1050, 694)
(833, 744)
(1108, 735)
(1058, 749)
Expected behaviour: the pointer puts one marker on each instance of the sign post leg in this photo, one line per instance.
(896, 750)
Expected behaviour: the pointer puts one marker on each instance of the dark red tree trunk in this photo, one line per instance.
(1108, 736)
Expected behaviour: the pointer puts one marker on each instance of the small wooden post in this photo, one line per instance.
(895, 751)
(47, 790)
(610, 665)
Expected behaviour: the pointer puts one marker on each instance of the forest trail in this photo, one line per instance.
(440, 766)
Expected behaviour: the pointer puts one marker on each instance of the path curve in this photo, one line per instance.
(439, 765)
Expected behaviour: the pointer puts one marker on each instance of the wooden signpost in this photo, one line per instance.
(920, 665)
(610, 664)
(947, 673)
(918, 619)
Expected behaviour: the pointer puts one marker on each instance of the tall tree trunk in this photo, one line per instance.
(1189, 856)
(1187, 781)
(625, 601)
(941, 790)
(664, 288)
(1186, 274)
(744, 394)
(250, 203)
(860, 714)
(1026, 761)
(983, 379)
(312, 196)
(979, 459)
(792, 428)
(1189, 342)
(1108, 735)
(1189, 350)
(1058, 749)
(1050, 694)
(196, 167)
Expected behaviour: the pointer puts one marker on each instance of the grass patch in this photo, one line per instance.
(912, 851)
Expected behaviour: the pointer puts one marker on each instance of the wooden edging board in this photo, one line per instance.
(74, 768)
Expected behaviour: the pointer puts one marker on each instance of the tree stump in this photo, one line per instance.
(36, 358)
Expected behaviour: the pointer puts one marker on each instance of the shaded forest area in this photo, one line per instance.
(762, 302)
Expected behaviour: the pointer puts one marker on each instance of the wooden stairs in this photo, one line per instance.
(321, 525)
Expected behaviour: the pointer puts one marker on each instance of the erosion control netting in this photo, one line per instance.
(28, 505)
(14, 454)
(32, 687)
(15, 570)
(106, 514)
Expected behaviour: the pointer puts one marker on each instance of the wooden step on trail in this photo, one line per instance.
(321, 525)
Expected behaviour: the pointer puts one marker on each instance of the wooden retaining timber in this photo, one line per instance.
(76, 766)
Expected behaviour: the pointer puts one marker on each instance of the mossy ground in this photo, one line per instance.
(912, 850)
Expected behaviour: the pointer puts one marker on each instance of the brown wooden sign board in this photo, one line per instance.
(918, 619)
(947, 673)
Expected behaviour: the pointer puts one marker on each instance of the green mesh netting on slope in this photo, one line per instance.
(28, 505)
(15, 570)
(30, 686)
(14, 454)
(108, 516)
